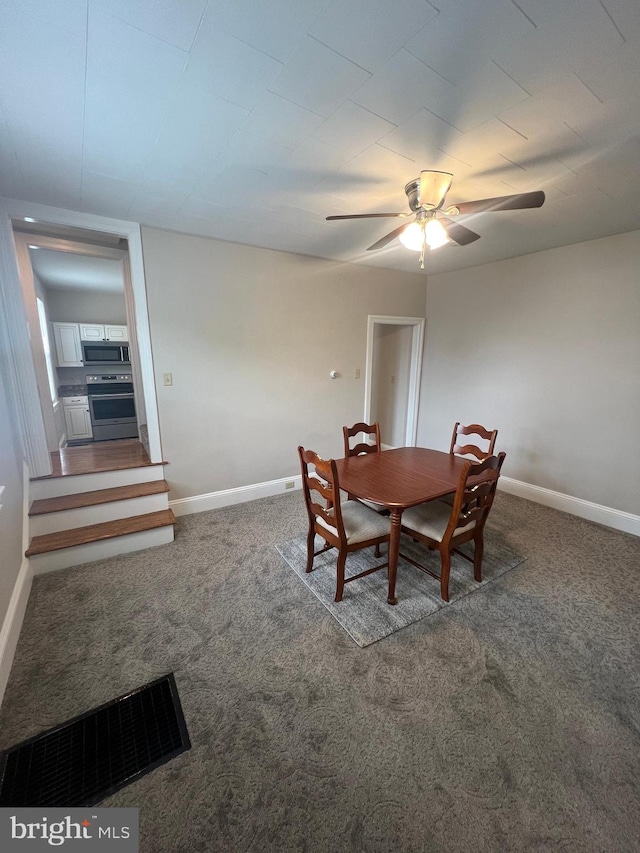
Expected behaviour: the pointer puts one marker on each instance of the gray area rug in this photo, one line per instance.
(506, 723)
(364, 613)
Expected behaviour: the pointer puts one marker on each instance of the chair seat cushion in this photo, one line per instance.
(431, 519)
(360, 523)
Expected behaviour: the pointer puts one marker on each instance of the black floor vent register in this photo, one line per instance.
(82, 761)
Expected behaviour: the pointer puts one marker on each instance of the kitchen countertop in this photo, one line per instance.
(72, 391)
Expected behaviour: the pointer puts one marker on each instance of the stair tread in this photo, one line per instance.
(99, 496)
(97, 532)
(96, 469)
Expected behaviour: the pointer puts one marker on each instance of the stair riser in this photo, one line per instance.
(67, 519)
(88, 553)
(55, 487)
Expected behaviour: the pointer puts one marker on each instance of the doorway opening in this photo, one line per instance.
(74, 295)
(392, 380)
(82, 250)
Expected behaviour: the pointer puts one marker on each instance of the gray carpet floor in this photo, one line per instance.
(508, 721)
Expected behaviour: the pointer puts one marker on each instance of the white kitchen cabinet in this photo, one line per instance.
(77, 418)
(67, 343)
(91, 331)
(116, 333)
(103, 332)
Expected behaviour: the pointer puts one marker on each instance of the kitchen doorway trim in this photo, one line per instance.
(21, 369)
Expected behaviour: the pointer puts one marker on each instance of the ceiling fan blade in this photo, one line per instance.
(519, 201)
(389, 237)
(433, 187)
(367, 215)
(458, 233)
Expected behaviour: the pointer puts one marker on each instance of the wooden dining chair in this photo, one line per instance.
(348, 526)
(461, 447)
(372, 431)
(443, 528)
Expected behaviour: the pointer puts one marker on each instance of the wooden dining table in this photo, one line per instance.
(398, 479)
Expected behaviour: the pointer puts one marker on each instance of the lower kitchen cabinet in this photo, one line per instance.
(77, 418)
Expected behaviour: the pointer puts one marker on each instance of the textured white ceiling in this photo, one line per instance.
(252, 120)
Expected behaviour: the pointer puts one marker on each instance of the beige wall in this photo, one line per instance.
(11, 499)
(546, 348)
(78, 306)
(250, 336)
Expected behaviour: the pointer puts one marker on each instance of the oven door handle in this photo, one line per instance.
(109, 396)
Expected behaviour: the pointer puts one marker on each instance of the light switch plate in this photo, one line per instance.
(168, 378)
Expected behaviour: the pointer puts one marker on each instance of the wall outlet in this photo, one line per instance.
(167, 378)
(290, 485)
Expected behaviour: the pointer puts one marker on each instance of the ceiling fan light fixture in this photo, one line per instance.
(413, 237)
(435, 235)
(432, 228)
(433, 187)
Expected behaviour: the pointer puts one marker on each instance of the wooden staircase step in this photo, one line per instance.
(97, 532)
(100, 496)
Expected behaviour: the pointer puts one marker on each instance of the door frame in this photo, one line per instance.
(21, 369)
(23, 240)
(415, 368)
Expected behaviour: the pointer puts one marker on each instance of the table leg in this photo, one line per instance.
(394, 550)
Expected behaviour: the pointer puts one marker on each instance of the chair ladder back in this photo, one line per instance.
(323, 480)
(474, 497)
(471, 449)
(363, 446)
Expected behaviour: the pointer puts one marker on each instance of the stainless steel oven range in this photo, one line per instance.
(112, 406)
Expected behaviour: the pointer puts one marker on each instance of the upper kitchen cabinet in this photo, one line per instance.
(116, 333)
(99, 332)
(67, 341)
(91, 332)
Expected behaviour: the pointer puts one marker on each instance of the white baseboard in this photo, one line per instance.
(615, 518)
(12, 623)
(228, 497)
(575, 506)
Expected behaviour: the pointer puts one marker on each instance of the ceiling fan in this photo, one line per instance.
(431, 227)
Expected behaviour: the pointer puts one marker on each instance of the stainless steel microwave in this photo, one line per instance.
(104, 352)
